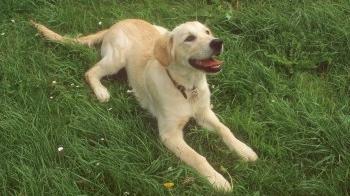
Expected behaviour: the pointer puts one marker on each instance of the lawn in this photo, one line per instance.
(284, 90)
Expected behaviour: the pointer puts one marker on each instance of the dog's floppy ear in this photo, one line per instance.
(162, 49)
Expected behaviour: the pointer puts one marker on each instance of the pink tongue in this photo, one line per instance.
(209, 62)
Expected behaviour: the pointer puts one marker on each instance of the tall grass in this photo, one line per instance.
(284, 90)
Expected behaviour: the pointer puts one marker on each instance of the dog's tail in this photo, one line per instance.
(88, 40)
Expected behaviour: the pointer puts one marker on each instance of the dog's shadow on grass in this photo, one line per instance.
(121, 77)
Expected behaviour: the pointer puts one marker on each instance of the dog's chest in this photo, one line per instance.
(197, 99)
(192, 95)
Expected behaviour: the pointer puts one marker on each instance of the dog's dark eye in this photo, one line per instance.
(190, 38)
(207, 32)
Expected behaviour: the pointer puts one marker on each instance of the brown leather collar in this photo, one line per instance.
(181, 88)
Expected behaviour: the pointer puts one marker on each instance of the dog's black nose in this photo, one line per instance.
(216, 45)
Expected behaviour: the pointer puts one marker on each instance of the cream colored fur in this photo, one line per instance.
(146, 51)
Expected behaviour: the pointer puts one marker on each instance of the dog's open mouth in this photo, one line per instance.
(210, 65)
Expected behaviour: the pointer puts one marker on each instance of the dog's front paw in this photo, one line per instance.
(102, 94)
(220, 183)
(247, 154)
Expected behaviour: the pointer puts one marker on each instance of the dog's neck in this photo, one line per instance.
(186, 76)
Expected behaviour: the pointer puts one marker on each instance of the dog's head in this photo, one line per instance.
(191, 45)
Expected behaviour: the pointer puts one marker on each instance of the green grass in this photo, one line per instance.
(285, 90)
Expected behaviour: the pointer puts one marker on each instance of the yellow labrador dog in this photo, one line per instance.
(167, 72)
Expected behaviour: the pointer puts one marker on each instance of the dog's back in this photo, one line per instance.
(133, 42)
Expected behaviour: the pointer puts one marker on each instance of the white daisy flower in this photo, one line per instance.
(60, 149)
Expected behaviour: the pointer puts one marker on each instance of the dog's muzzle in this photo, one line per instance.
(210, 64)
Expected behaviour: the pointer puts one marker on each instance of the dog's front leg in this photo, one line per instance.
(172, 136)
(209, 120)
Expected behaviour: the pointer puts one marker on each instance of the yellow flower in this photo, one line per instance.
(169, 185)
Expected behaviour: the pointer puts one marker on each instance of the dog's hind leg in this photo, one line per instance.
(111, 63)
